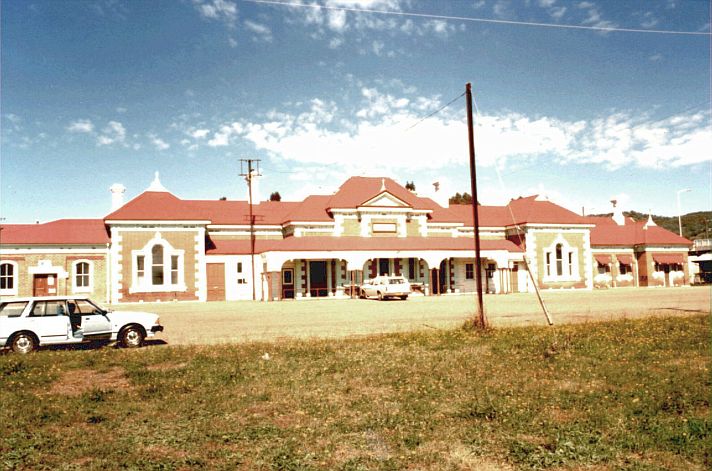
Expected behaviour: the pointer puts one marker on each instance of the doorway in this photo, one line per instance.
(44, 285)
(317, 278)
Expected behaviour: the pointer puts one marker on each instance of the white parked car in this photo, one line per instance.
(383, 287)
(27, 323)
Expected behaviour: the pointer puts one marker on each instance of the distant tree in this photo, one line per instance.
(275, 196)
(410, 186)
(223, 198)
(464, 198)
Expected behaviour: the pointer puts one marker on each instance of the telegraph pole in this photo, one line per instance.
(251, 172)
(482, 319)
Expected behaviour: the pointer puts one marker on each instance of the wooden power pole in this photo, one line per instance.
(251, 172)
(482, 319)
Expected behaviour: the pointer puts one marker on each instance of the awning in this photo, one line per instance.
(625, 259)
(602, 259)
(668, 258)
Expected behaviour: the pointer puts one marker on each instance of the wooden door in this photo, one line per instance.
(41, 286)
(216, 281)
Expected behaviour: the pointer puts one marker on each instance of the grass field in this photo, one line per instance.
(631, 394)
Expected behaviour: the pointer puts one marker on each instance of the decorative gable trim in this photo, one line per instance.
(387, 200)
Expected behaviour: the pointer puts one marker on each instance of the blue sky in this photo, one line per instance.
(99, 92)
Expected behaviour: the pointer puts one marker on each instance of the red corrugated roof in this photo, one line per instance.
(157, 206)
(530, 210)
(668, 258)
(375, 244)
(60, 232)
(632, 233)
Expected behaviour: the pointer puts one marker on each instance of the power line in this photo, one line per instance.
(482, 20)
(435, 112)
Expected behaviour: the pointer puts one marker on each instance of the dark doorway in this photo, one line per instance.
(317, 278)
(383, 266)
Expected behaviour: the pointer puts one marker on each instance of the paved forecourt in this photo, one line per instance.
(240, 321)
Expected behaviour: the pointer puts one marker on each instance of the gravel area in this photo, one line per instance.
(240, 321)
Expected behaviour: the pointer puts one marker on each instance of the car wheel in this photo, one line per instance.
(132, 337)
(23, 343)
(361, 294)
(380, 296)
(404, 297)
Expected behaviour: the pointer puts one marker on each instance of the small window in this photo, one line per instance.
(624, 269)
(38, 310)
(12, 309)
(548, 264)
(411, 268)
(239, 267)
(7, 276)
(288, 277)
(140, 268)
(81, 277)
(174, 269)
(470, 271)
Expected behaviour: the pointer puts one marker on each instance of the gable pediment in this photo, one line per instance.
(385, 200)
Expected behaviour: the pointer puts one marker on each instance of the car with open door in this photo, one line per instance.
(28, 323)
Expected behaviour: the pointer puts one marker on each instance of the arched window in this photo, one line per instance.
(82, 276)
(559, 260)
(157, 265)
(8, 284)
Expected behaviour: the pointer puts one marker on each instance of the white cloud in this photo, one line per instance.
(159, 143)
(649, 20)
(546, 3)
(222, 10)
(557, 12)
(655, 58)
(477, 4)
(113, 133)
(379, 138)
(81, 126)
(593, 16)
(199, 133)
(261, 31)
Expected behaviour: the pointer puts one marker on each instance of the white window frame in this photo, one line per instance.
(145, 284)
(15, 278)
(570, 272)
(82, 289)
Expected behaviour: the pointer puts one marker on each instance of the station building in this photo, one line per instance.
(159, 247)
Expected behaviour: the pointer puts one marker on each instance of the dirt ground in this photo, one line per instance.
(240, 321)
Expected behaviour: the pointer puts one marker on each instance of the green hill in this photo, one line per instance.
(694, 225)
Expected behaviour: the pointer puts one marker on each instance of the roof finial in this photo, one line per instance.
(383, 184)
(650, 221)
(156, 184)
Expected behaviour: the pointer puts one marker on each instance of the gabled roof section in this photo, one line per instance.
(312, 209)
(157, 206)
(490, 216)
(357, 191)
(533, 211)
(609, 234)
(60, 232)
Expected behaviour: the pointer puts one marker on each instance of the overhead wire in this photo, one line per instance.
(603, 29)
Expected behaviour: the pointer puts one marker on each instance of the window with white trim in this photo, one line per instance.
(158, 267)
(83, 276)
(8, 278)
(561, 261)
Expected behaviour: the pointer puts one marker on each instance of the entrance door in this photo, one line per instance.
(216, 281)
(384, 266)
(317, 278)
(44, 285)
(288, 283)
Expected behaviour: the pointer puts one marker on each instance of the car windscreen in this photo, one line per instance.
(12, 308)
(396, 281)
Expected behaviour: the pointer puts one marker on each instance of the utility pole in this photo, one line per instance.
(482, 319)
(251, 172)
